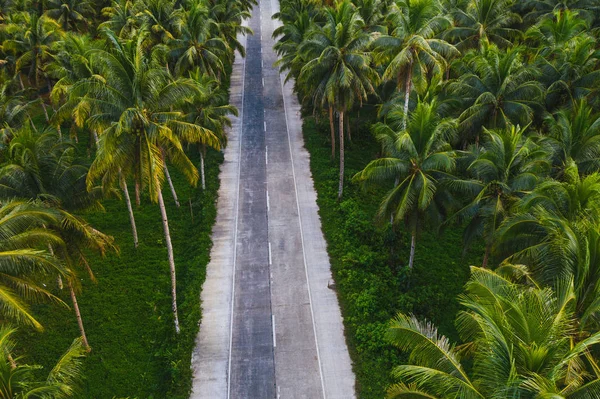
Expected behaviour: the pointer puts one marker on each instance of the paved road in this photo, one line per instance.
(271, 328)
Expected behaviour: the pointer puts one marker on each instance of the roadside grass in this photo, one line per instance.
(127, 313)
(368, 259)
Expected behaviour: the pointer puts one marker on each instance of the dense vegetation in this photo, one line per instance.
(485, 120)
(98, 97)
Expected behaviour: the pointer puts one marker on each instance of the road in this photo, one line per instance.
(271, 327)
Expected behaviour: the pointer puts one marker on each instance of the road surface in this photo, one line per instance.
(271, 327)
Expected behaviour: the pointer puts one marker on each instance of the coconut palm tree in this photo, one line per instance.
(508, 166)
(210, 110)
(520, 342)
(338, 68)
(24, 259)
(121, 19)
(42, 167)
(417, 160)
(496, 88)
(71, 14)
(574, 136)
(555, 234)
(412, 49)
(198, 47)
(31, 40)
(227, 17)
(19, 380)
(490, 21)
(161, 18)
(133, 106)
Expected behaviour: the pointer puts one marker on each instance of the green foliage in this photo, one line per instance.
(127, 312)
(368, 262)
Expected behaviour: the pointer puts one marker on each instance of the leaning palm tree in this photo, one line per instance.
(413, 50)
(508, 166)
(520, 342)
(338, 68)
(132, 105)
(19, 380)
(24, 259)
(417, 160)
(43, 168)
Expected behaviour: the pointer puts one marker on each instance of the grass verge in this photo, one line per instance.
(368, 259)
(127, 313)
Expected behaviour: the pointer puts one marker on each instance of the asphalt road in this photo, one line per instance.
(271, 328)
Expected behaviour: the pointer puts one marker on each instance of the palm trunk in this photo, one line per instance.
(413, 244)
(171, 186)
(348, 129)
(486, 256)
(202, 175)
(130, 210)
(332, 128)
(86, 345)
(137, 193)
(165, 221)
(341, 132)
(407, 97)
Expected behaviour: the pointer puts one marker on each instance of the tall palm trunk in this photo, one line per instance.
(407, 88)
(348, 131)
(137, 192)
(332, 128)
(165, 222)
(171, 186)
(413, 244)
(86, 345)
(341, 132)
(129, 209)
(202, 151)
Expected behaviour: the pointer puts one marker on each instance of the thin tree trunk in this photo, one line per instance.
(21, 81)
(171, 186)
(202, 176)
(413, 244)
(341, 132)
(332, 128)
(45, 110)
(130, 210)
(486, 256)
(58, 129)
(86, 345)
(348, 129)
(137, 193)
(407, 87)
(165, 221)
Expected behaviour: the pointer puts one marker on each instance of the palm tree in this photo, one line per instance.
(161, 18)
(417, 161)
(19, 380)
(556, 235)
(211, 111)
(227, 17)
(121, 19)
(338, 66)
(198, 47)
(496, 88)
(412, 50)
(508, 166)
(23, 259)
(41, 167)
(31, 40)
(489, 21)
(574, 136)
(520, 342)
(71, 14)
(131, 107)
